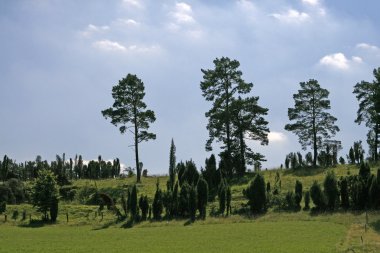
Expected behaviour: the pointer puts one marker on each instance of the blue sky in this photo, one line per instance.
(60, 59)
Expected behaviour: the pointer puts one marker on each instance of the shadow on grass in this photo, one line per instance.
(376, 226)
(35, 224)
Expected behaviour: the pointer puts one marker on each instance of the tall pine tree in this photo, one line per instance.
(313, 124)
(129, 111)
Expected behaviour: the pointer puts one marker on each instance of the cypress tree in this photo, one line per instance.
(202, 189)
(193, 202)
(307, 201)
(222, 197)
(331, 190)
(256, 194)
(133, 202)
(172, 165)
(317, 196)
(157, 203)
(345, 203)
(298, 194)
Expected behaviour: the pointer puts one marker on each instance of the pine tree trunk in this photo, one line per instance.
(376, 144)
(138, 172)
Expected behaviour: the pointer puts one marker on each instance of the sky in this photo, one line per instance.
(59, 60)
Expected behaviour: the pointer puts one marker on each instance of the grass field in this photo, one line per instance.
(87, 231)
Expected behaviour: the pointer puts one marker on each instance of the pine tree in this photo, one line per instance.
(130, 112)
(368, 96)
(313, 123)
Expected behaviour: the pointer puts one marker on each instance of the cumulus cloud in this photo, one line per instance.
(291, 16)
(339, 61)
(311, 2)
(90, 29)
(276, 137)
(107, 45)
(182, 13)
(367, 46)
(133, 3)
(128, 22)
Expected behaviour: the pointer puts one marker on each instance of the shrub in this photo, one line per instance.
(331, 190)
(364, 171)
(256, 194)
(307, 201)
(144, 206)
(222, 197)
(298, 194)
(193, 202)
(374, 193)
(345, 203)
(183, 203)
(157, 204)
(54, 210)
(317, 196)
(15, 215)
(3, 206)
(202, 189)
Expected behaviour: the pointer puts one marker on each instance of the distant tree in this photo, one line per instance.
(256, 194)
(45, 192)
(172, 165)
(351, 156)
(342, 161)
(130, 112)
(4, 168)
(331, 190)
(313, 123)
(202, 189)
(358, 152)
(368, 96)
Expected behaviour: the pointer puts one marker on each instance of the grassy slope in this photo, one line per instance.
(273, 232)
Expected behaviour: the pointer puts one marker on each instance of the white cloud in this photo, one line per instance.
(291, 16)
(182, 13)
(90, 29)
(311, 2)
(246, 5)
(276, 137)
(339, 61)
(367, 46)
(128, 22)
(133, 3)
(108, 45)
(357, 59)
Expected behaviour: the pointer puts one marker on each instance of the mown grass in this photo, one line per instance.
(90, 230)
(280, 236)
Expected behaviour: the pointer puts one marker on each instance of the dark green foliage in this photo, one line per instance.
(172, 165)
(290, 199)
(124, 205)
(202, 190)
(211, 175)
(231, 116)
(129, 111)
(317, 196)
(368, 94)
(307, 201)
(298, 194)
(192, 202)
(183, 205)
(189, 173)
(174, 206)
(228, 199)
(364, 171)
(268, 187)
(157, 206)
(144, 206)
(54, 210)
(68, 192)
(167, 201)
(312, 121)
(351, 156)
(374, 193)
(331, 190)
(309, 158)
(342, 161)
(358, 152)
(45, 192)
(222, 197)
(3, 206)
(256, 194)
(345, 202)
(133, 202)
(4, 168)
(15, 215)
